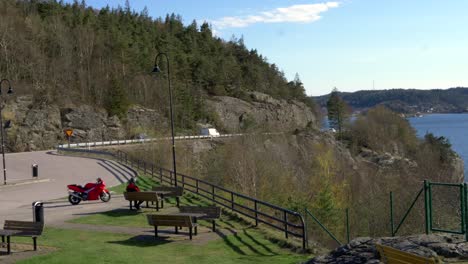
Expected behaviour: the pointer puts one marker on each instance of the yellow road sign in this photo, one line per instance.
(68, 132)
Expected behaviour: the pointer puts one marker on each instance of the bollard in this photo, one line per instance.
(35, 170)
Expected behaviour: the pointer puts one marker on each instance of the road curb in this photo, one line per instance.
(24, 183)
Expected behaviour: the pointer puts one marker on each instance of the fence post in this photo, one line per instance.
(213, 192)
(152, 170)
(183, 181)
(347, 224)
(196, 183)
(256, 212)
(392, 228)
(170, 177)
(427, 210)
(232, 201)
(465, 195)
(285, 224)
(160, 176)
(144, 166)
(462, 208)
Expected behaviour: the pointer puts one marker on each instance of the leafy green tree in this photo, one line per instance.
(338, 112)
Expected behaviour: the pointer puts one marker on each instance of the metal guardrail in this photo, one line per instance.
(147, 140)
(285, 220)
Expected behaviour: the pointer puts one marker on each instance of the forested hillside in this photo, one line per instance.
(72, 53)
(408, 100)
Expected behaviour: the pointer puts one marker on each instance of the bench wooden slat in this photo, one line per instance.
(141, 196)
(392, 255)
(211, 212)
(171, 220)
(28, 229)
(175, 191)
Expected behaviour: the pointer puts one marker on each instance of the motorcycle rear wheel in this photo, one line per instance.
(74, 200)
(105, 196)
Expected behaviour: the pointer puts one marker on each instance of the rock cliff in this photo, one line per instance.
(37, 126)
(263, 111)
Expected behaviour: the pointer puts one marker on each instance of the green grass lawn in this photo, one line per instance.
(84, 247)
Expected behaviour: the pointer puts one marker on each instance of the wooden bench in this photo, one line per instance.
(392, 255)
(175, 191)
(212, 212)
(171, 220)
(25, 229)
(142, 196)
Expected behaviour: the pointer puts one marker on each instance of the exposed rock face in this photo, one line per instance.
(445, 248)
(36, 127)
(263, 111)
(41, 126)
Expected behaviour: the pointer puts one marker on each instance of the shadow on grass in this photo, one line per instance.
(258, 242)
(236, 237)
(142, 241)
(115, 213)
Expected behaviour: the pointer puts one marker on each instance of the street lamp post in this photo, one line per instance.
(156, 69)
(2, 105)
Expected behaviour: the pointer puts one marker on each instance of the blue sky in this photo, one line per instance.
(348, 44)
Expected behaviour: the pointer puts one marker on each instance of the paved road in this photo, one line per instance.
(55, 173)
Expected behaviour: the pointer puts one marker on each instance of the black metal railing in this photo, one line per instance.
(288, 221)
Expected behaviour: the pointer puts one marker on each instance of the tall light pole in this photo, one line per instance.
(2, 105)
(156, 69)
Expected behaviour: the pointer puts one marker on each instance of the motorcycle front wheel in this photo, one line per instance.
(105, 196)
(74, 200)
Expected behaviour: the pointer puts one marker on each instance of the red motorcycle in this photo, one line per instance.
(91, 191)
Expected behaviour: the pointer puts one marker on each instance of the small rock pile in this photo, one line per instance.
(445, 248)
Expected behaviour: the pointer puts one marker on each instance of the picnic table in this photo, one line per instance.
(7, 234)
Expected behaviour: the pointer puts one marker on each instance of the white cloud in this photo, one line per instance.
(293, 14)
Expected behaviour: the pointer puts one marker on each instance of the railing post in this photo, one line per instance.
(285, 224)
(152, 170)
(170, 178)
(144, 166)
(347, 224)
(183, 181)
(213, 192)
(232, 201)
(391, 214)
(427, 210)
(256, 213)
(196, 183)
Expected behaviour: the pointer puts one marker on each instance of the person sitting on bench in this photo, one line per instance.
(132, 187)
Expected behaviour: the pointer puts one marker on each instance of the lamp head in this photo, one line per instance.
(156, 69)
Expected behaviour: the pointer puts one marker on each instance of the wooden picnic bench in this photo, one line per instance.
(392, 255)
(174, 191)
(211, 213)
(171, 220)
(24, 229)
(142, 196)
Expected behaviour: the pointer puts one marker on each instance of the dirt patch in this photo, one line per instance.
(23, 251)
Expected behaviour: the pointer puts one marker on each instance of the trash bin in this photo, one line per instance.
(35, 170)
(38, 211)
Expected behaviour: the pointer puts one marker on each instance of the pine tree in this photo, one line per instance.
(338, 111)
